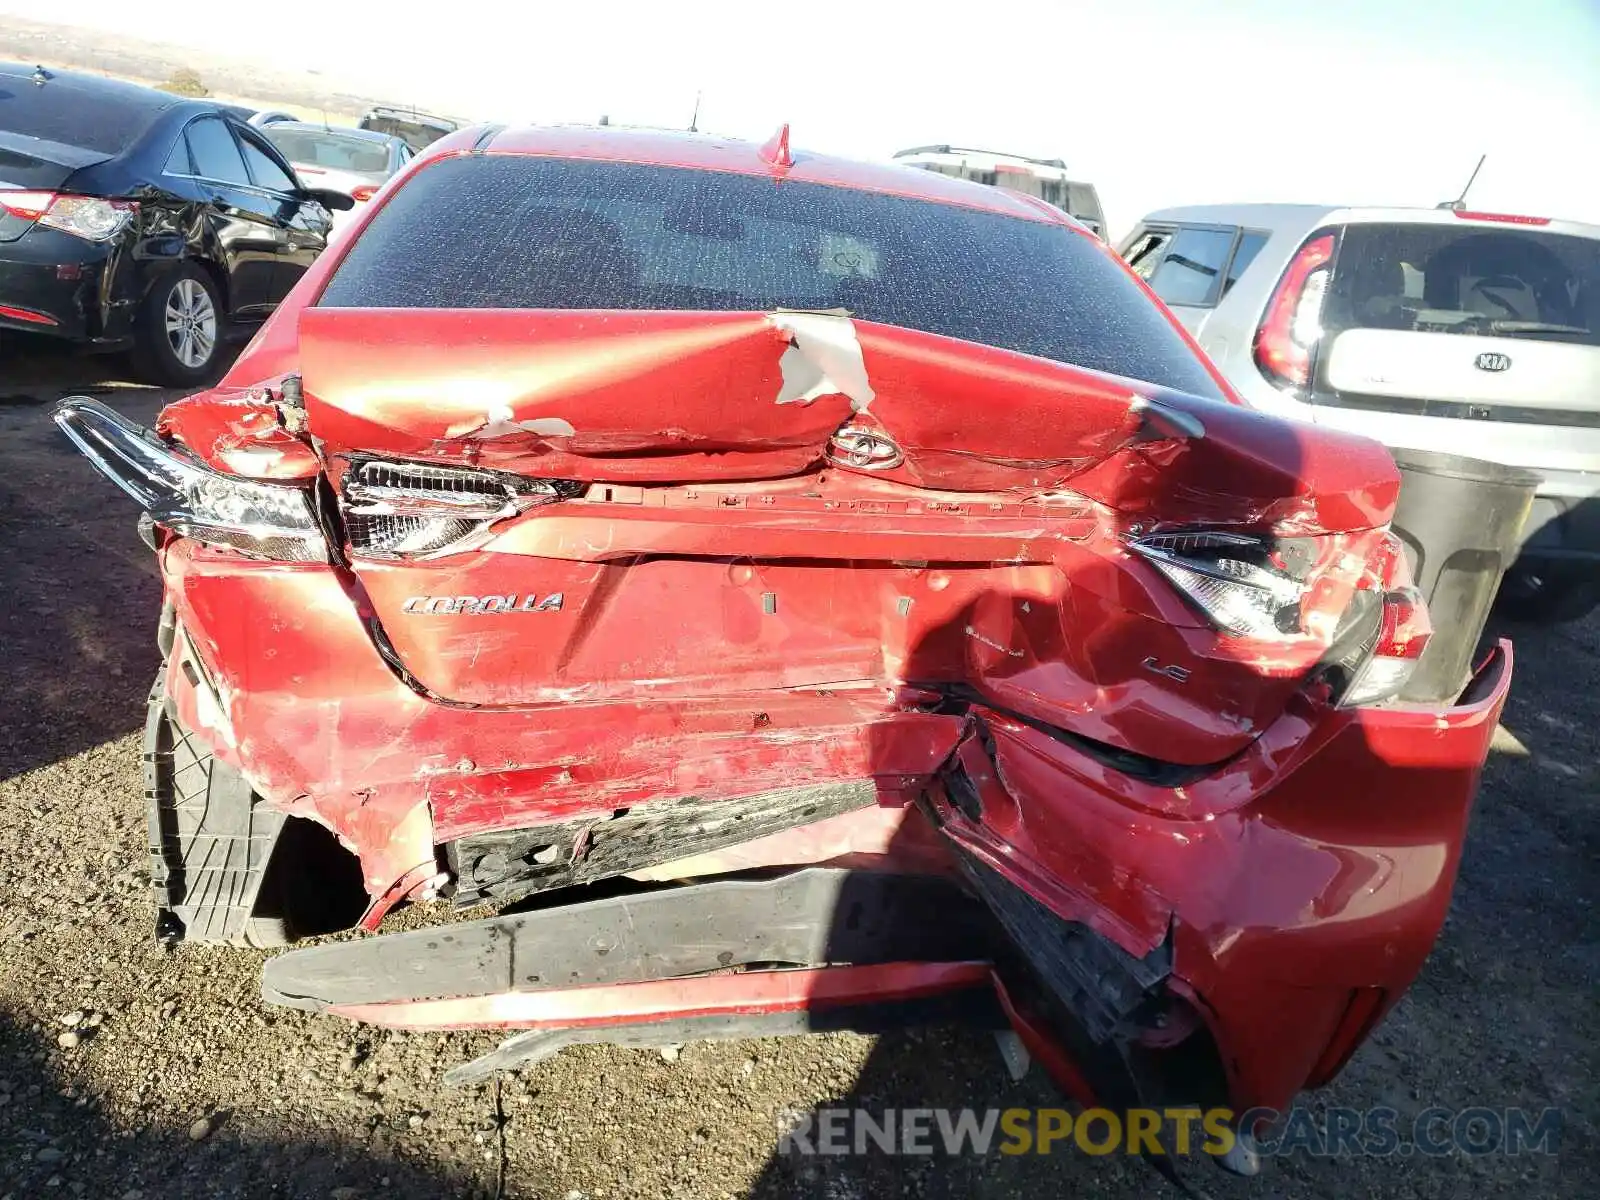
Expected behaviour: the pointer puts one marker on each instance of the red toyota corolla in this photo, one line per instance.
(775, 592)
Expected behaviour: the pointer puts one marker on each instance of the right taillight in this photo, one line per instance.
(1293, 321)
(1403, 632)
(1232, 579)
(1384, 659)
(1339, 605)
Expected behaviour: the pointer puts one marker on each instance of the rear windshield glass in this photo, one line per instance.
(334, 151)
(503, 231)
(1517, 283)
(57, 112)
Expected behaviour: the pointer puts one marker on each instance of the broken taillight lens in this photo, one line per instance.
(1404, 628)
(182, 494)
(1232, 579)
(1339, 602)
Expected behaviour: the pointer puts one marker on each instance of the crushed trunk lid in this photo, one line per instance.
(630, 505)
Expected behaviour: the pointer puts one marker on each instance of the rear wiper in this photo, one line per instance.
(1534, 327)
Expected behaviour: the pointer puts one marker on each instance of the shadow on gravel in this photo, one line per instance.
(954, 1069)
(81, 591)
(82, 597)
(55, 1140)
(34, 371)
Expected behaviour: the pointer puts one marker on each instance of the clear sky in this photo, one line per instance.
(1157, 102)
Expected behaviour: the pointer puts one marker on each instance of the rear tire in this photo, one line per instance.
(1553, 598)
(178, 333)
(265, 933)
(211, 841)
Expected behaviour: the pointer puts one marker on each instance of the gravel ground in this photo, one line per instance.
(128, 1071)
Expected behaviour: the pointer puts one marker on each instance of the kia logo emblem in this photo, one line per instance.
(864, 450)
(1493, 362)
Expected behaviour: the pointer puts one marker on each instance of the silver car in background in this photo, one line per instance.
(356, 162)
(1443, 329)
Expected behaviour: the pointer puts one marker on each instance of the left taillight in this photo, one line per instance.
(263, 520)
(29, 206)
(92, 218)
(1293, 321)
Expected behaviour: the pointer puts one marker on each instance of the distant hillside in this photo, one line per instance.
(234, 80)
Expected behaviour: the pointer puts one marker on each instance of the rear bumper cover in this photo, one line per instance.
(299, 698)
(1316, 900)
(1298, 889)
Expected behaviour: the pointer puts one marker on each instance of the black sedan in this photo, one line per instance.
(135, 220)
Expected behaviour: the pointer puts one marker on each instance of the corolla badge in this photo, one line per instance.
(864, 449)
(478, 606)
(1490, 361)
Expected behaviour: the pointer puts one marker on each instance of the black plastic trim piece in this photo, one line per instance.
(1100, 983)
(812, 917)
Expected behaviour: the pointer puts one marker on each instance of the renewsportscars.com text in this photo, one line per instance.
(1380, 1131)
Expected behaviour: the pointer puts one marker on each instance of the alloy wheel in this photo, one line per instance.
(191, 322)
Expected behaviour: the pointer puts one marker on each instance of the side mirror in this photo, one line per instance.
(329, 199)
